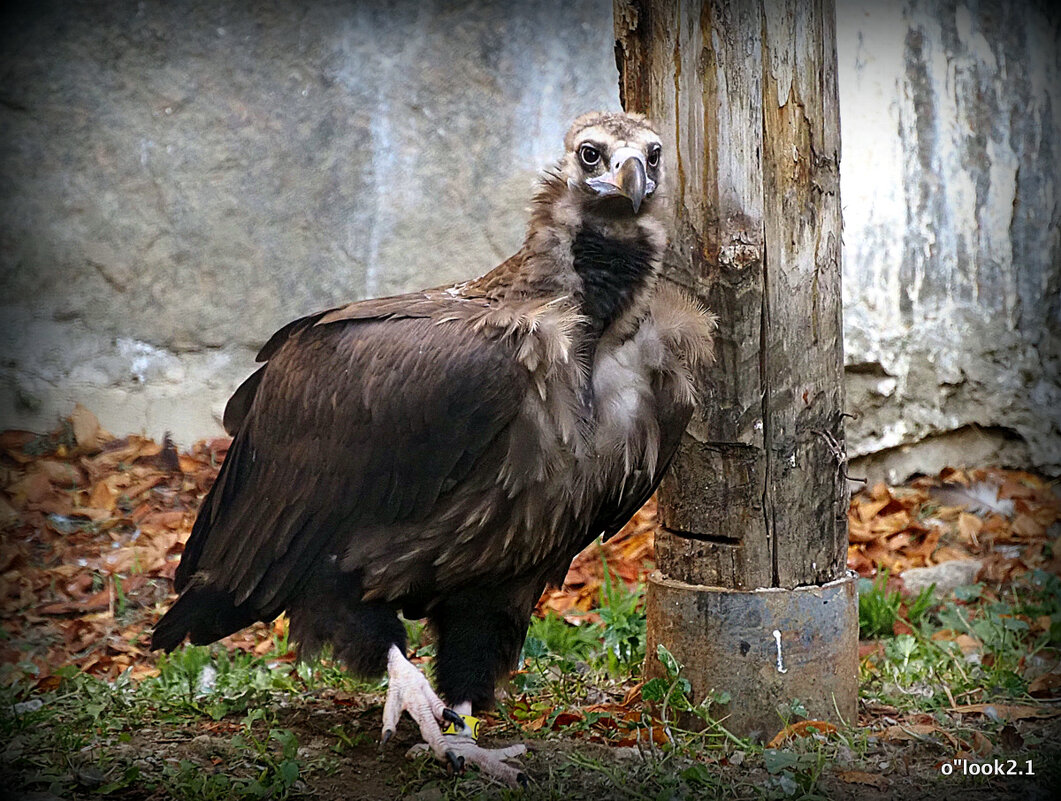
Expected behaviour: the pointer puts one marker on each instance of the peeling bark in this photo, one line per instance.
(745, 94)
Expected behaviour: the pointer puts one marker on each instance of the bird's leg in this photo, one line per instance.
(492, 762)
(409, 691)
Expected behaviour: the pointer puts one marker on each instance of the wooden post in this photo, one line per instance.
(751, 592)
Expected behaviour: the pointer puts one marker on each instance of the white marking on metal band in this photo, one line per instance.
(777, 639)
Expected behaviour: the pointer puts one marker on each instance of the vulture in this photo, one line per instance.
(445, 454)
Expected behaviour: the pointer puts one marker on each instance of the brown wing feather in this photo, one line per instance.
(240, 403)
(351, 427)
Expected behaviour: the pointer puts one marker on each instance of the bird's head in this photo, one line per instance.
(613, 162)
(603, 200)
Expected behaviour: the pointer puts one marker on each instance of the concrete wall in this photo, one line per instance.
(950, 184)
(179, 179)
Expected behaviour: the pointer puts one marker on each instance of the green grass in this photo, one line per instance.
(926, 668)
(879, 608)
(70, 740)
(88, 738)
(615, 644)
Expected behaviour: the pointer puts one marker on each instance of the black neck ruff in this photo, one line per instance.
(612, 271)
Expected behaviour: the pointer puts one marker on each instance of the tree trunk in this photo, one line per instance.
(745, 95)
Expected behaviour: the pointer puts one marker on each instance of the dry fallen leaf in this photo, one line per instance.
(967, 643)
(869, 509)
(803, 728)
(979, 744)
(1008, 712)
(88, 434)
(969, 526)
(1027, 527)
(657, 733)
(62, 473)
(1046, 686)
(861, 777)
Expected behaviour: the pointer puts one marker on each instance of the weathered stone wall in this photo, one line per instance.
(179, 179)
(951, 183)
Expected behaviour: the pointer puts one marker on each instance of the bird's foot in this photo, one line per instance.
(409, 691)
(492, 762)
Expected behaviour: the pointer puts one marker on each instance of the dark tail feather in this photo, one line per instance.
(205, 615)
(221, 493)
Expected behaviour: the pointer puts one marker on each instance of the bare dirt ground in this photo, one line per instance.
(565, 768)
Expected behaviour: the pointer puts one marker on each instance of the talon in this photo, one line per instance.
(456, 762)
(409, 691)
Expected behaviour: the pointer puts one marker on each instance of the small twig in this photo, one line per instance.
(950, 697)
(839, 453)
(836, 708)
(728, 734)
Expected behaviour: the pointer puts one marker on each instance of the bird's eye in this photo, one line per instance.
(589, 155)
(653, 156)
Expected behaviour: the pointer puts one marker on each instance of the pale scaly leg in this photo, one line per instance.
(492, 762)
(408, 690)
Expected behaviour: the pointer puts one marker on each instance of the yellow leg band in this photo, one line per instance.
(470, 727)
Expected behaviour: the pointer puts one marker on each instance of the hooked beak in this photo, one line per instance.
(628, 178)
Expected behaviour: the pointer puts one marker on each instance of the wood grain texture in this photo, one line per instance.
(745, 96)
